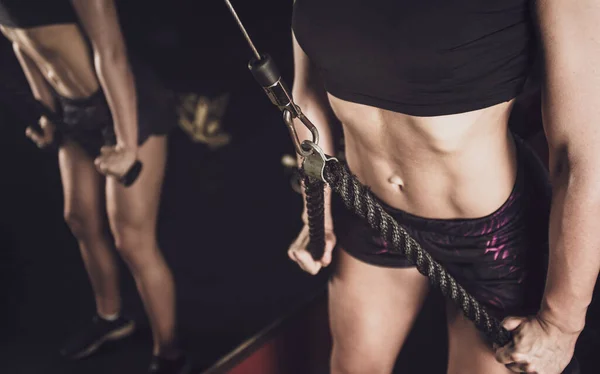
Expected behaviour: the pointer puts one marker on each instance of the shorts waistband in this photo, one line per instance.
(469, 226)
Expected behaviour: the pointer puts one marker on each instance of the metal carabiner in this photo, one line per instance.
(301, 147)
(314, 163)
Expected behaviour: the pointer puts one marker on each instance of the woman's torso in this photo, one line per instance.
(423, 90)
(48, 32)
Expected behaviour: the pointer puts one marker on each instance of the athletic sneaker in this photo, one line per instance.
(92, 336)
(161, 365)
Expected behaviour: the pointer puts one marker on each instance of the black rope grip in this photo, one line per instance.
(361, 201)
(315, 208)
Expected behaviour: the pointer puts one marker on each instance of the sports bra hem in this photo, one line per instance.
(429, 110)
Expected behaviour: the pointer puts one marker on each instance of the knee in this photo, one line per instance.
(361, 361)
(131, 237)
(83, 223)
(127, 238)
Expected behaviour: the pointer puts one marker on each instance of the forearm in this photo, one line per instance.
(309, 94)
(37, 82)
(574, 260)
(117, 81)
(100, 20)
(318, 112)
(570, 92)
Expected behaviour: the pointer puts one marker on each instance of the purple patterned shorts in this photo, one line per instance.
(500, 259)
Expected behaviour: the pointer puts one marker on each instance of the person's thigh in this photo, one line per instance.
(83, 191)
(133, 210)
(372, 310)
(468, 350)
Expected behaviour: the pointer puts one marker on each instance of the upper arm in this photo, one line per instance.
(570, 36)
(307, 80)
(100, 21)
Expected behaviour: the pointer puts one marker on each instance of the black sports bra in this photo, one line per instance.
(33, 13)
(418, 57)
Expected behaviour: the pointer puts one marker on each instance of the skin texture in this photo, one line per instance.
(471, 171)
(57, 57)
(543, 343)
(569, 32)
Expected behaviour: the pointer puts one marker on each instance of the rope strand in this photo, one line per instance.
(361, 201)
(315, 208)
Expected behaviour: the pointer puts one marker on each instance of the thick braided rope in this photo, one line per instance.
(315, 208)
(360, 200)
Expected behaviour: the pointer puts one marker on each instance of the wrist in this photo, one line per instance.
(127, 145)
(566, 320)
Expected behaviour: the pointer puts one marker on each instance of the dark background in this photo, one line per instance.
(227, 215)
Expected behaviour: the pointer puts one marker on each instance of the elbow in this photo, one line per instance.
(306, 96)
(309, 87)
(16, 48)
(576, 172)
(113, 55)
(110, 60)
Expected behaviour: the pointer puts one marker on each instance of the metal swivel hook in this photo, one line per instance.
(301, 147)
(314, 163)
(267, 74)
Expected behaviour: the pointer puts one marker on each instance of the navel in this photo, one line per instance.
(396, 180)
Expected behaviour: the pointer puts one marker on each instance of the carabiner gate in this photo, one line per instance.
(301, 147)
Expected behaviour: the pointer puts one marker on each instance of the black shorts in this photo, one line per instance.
(89, 123)
(501, 259)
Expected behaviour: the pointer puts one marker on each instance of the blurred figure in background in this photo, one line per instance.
(112, 113)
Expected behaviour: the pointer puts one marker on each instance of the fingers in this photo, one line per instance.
(115, 161)
(47, 130)
(330, 241)
(512, 323)
(514, 360)
(103, 161)
(304, 259)
(106, 150)
(524, 354)
(34, 136)
(45, 137)
(101, 164)
(300, 255)
(326, 260)
(520, 367)
(507, 355)
(306, 262)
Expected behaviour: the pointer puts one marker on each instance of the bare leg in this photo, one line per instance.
(133, 215)
(468, 351)
(84, 213)
(372, 310)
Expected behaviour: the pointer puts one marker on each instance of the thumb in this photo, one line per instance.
(43, 122)
(33, 135)
(330, 242)
(512, 323)
(105, 150)
(99, 160)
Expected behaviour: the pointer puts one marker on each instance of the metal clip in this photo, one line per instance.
(303, 149)
(314, 163)
(267, 75)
